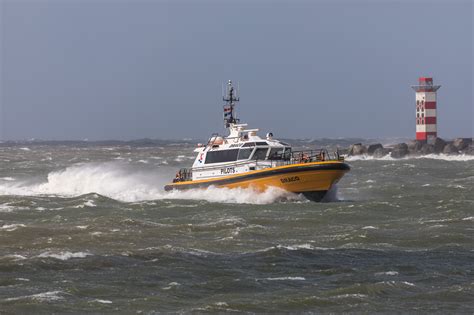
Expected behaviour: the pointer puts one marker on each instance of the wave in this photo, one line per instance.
(64, 255)
(121, 182)
(444, 157)
(41, 297)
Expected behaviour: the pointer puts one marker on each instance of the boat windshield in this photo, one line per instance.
(276, 154)
(244, 153)
(260, 154)
(221, 156)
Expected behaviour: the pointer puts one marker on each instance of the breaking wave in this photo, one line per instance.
(444, 157)
(121, 182)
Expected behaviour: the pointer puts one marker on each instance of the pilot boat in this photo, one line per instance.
(242, 159)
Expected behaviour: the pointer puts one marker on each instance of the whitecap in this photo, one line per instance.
(296, 247)
(102, 301)
(369, 227)
(13, 257)
(11, 227)
(444, 157)
(64, 255)
(286, 278)
(88, 203)
(6, 207)
(40, 297)
(171, 285)
(387, 273)
(350, 295)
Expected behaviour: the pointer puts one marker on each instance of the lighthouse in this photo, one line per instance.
(426, 129)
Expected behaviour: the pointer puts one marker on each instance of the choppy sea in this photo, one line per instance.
(88, 228)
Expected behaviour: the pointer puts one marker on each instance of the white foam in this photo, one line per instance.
(446, 157)
(13, 257)
(286, 278)
(40, 297)
(365, 157)
(6, 207)
(103, 301)
(118, 181)
(369, 227)
(387, 273)
(88, 203)
(296, 247)
(64, 255)
(7, 178)
(350, 295)
(171, 285)
(11, 227)
(441, 156)
(23, 279)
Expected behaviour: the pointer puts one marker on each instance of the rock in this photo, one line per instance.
(400, 150)
(357, 149)
(343, 151)
(468, 150)
(438, 145)
(380, 152)
(462, 143)
(415, 146)
(427, 149)
(450, 149)
(373, 147)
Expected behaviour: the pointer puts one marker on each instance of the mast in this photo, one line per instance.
(231, 98)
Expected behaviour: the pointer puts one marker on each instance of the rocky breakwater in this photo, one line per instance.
(414, 147)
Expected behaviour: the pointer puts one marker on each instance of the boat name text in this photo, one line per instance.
(228, 170)
(289, 179)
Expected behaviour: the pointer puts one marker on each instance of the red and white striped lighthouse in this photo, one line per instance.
(426, 129)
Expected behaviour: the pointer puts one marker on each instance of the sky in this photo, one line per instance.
(118, 69)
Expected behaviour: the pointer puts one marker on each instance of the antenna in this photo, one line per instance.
(231, 98)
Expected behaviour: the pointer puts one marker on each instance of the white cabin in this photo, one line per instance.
(242, 151)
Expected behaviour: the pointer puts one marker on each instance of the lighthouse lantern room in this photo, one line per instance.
(426, 129)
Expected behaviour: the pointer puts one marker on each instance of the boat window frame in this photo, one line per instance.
(209, 156)
(251, 149)
(260, 148)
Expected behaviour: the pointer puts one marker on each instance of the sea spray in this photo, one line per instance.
(122, 182)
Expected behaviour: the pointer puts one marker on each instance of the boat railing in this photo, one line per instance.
(184, 174)
(305, 156)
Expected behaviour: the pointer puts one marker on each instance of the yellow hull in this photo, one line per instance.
(312, 179)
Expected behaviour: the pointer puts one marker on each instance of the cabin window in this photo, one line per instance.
(249, 144)
(221, 156)
(260, 154)
(261, 143)
(275, 154)
(244, 154)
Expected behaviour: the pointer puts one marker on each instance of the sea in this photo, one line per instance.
(86, 227)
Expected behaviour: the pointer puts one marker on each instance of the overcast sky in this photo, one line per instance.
(110, 69)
